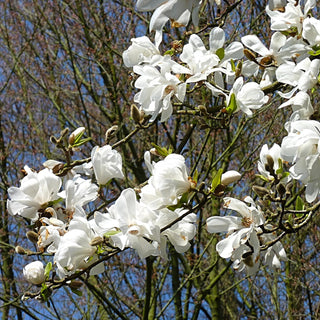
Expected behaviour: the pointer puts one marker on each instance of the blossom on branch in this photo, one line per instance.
(34, 272)
(168, 182)
(107, 164)
(242, 243)
(36, 192)
(302, 148)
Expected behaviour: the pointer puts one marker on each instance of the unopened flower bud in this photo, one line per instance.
(53, 139)
(260, 191)
(135, 114)
(111, 132)
(32, 236)
(76, 134)
(96, 241)
(75, 284)
(248, 259)
(250, 55)
(203, 110)
(270, 162)
(57, 168)
(34, 272)
(281, 189)
(238, 69)
(230, 177)
(64, 132)
(20, 250)
(154, 152)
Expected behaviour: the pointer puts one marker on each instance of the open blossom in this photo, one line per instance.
(301, 106)
(141, 50)
(107, 164)
(178, 11)
(35, 193)
(157, 89)
(75, 251)
(180, 233)
(168, 182)
(311, 30)
(302, 76)
(292, 17)
(248, 96)
(203, 62)
(242, 243)
(78, 192)
(274, 254)
(34, 272)
(281, 49)
(301, 147)
(50, 232)
(135, 223)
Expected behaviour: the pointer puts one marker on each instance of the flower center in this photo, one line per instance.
(246, 222)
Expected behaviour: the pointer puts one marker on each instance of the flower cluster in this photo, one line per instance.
(159, 212)
(65, 230)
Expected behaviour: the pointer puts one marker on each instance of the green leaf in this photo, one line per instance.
(314, 53)
(111, 233)
(195, 176)
(169, 52)
(78, 138)
(285, 174)
(216, 179)
(77, 292)
(220, 53)
(263, 178)
(233, 66)
(45, 292)
(232, 106)
(162, 151)
(47, 269)
(81, 142)
(299, 204)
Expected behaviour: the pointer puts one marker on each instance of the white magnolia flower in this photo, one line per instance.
(301, 106)
(75, 251)
(242, 244)
(107, 164)
(248, 96)
(203, 62)
(37, 190)
(292, 17)
(200, 61)
(302, 148)
(178, 234)
(178, 11)
(135, 222)
(34, 272)
(50, 232)
(302, 76)
(274, 254)
(280, 51)
(157, 89)
(274, 157)
(311, 31)
(141, 50)
(78, 192)
(168, 182)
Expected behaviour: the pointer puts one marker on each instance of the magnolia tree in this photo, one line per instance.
(217, 121)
